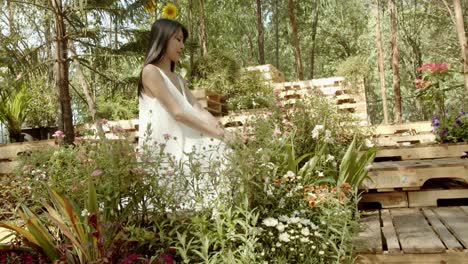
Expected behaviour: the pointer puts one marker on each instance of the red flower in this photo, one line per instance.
(92, 220)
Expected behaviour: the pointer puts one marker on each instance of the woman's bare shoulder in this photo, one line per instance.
(151, 72)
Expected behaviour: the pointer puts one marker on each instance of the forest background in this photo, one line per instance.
(76, 61)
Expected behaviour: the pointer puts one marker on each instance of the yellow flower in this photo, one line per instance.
(169, 11)
(150, 6)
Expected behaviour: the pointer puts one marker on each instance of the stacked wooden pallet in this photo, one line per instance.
(211, 101)
(414, 235)
(269, 72)
(334, 88)
(404, 134)
(420, 175)
(112, 130)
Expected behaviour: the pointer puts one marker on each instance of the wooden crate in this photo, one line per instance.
(211, 101)
(414, 235)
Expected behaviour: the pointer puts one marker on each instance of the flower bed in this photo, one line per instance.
(292, 197)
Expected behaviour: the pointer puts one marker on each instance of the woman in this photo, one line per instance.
(171, 121)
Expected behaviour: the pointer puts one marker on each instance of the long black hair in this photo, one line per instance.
(161, 32)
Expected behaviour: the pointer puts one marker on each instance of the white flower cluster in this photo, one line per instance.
(291, 228)
(328, 134)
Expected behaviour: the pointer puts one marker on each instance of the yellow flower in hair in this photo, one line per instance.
(150, 6)
(169, 11)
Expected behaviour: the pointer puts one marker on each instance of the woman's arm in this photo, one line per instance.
(154, 85)
(202, 111)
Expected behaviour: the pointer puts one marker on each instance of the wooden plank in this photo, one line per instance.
(423, 126)
(369, 239)
(434, 151)
(430, 197)
(399, 140)
(11, 151)
(409, 174)
(465, 209)
(449, 240)
(438, 258)
(386, 200)
(388, 230)
(456, 221)
(414, 233)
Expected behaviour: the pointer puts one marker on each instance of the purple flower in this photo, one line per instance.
(435, 121)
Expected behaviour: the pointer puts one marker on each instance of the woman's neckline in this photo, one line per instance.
(181, 91)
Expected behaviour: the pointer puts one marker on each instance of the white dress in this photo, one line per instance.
(191, 161)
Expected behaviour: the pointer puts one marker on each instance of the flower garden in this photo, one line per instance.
(292, 198)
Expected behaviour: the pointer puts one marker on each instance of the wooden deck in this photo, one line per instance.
(414, 235)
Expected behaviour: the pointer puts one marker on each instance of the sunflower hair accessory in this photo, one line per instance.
(169, 11)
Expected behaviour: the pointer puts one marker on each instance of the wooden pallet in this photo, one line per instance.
(10, 153)
(400, 199)
(242, 118)
(433, 151)
(395, 199)
(404, 134)
(402, 231)
(414, 173)
(269, 72)
(211, 101)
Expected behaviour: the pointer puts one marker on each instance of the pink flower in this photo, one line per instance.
(19, 76)
(434, 67)
(96, 173)
(169, 173)
(286, 122)
(269, 114)
(167, 136)
(277, 132)
(58, 134)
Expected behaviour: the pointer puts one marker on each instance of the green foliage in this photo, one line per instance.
(355, 69)
(117, 107)
(13, 111)
(354, 165)
(219, 72)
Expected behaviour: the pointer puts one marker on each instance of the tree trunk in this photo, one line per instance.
(87, 92)
(191, 49)
(261, 50)
(297, 49)
(204, 34)
(383, 90)
(61, 80)
(276, 35)
(395, 60)
(314, 33)
(463, 45)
